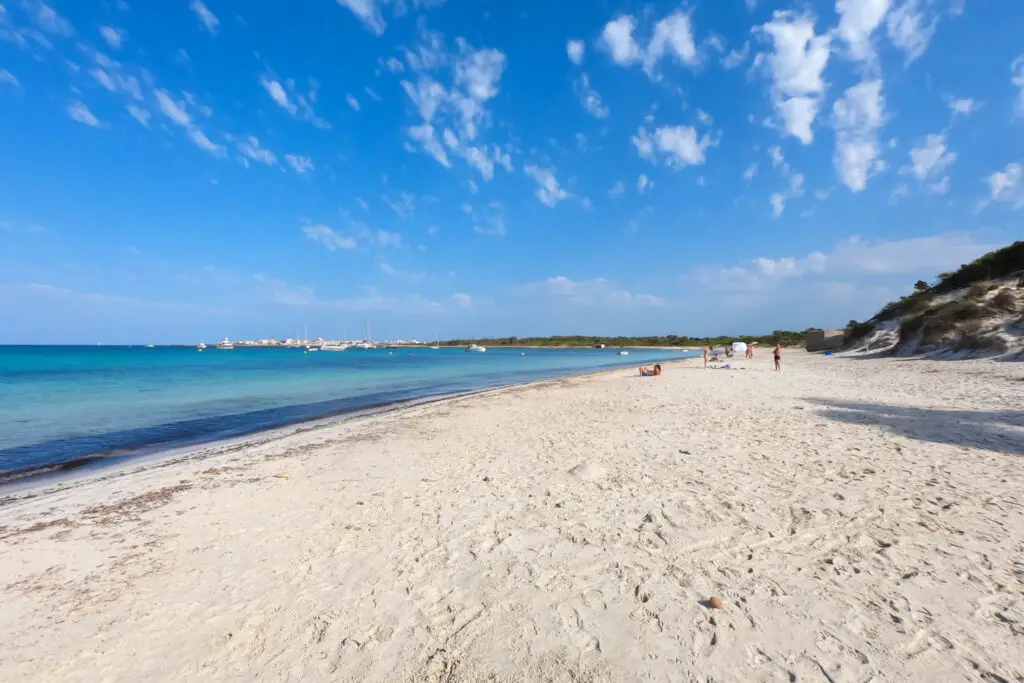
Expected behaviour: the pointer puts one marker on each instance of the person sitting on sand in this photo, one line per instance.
(778, 357)
(650, 372)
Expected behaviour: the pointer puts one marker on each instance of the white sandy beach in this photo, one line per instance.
(860, 519)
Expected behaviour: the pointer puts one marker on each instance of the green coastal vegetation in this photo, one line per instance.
(784, 337)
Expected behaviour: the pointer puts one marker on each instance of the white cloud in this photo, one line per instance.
(175, 111)
(750, 172)
(679, 145)
(296, 103)
(47, 18)
(456, 115)
(478, 158)
(114, 36)
(367, 12)
(462, 300)
(352, 102)
(503, 159)
(6, 77)
(204, 143)
(642, 183)
(736, 57)
(963, 106)
(250, 147)
(388, 239)
(644, 144)
(139, 114)
(775, 152)
(1005, 185)
(329, 239)
(278, 94)
(480, 72)
(931, 159)
(425, 136)
(79, 112)
(373, 95)
(1017, 79)
(940, 186)
(851, 257)
(704, 117)
(908, 29)
(797, 64)
(673, 35)
(206, 17)
(575, 49)
(597, 292)
(778, 199)
(428, 95)
(301, 164)
(858, 20)
(858, 115)
(104, 79)
(549, 192)
(590, 99)
(617, 189)
(617, 39)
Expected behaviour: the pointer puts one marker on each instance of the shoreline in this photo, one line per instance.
(27, 484)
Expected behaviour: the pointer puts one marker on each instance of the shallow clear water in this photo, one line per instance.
(64, 404)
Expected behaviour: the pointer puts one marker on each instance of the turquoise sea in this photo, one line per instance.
(65, 406)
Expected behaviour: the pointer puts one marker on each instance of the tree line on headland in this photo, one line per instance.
(784, 337)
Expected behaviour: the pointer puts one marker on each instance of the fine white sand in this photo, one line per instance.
(860, 519)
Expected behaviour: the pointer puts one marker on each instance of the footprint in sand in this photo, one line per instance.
(588, 471)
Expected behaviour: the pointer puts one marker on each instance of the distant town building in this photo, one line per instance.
(825, 340)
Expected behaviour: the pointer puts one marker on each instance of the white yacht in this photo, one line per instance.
(334, 347)
(623, 353)
(368, 344)
(474, 348)
(225, 345)
(201, 346)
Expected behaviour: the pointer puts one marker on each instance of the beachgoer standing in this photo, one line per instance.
(778, 357)
(707, 354)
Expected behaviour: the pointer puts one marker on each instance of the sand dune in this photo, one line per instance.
(860, 520)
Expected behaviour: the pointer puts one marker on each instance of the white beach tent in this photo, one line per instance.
(739, 347)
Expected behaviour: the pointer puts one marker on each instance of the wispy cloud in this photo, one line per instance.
(79, 112)
(7, 78)
(139, 114)
(597, 292)
(250, 149)
(300, 164)
(287, 96)
(207, 18)
(549, 192)
(176, 112)
(114, 36)
(327, 238)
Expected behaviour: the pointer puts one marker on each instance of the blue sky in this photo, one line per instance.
(186, 170)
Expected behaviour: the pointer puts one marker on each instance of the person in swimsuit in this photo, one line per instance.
(778, 357)
(707, 354)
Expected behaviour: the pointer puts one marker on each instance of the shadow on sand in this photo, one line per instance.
(1001, 431)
